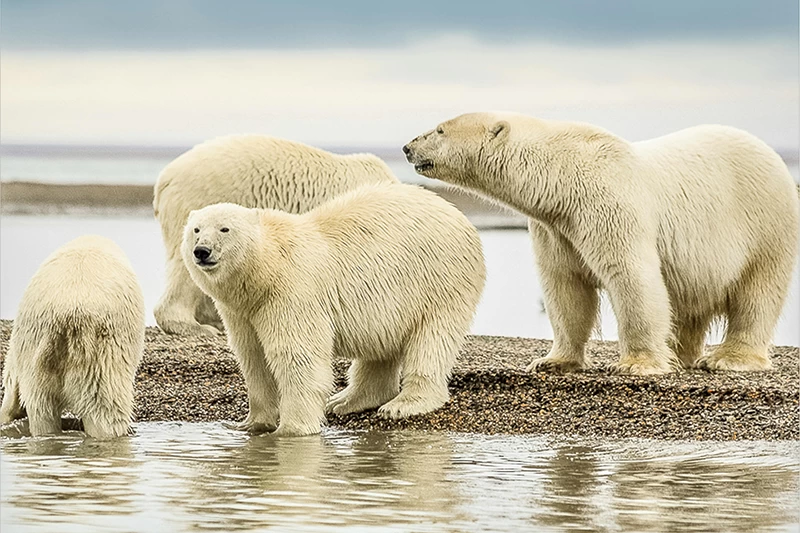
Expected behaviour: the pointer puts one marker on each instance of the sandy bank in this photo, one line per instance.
(197, 379)
(28, 198)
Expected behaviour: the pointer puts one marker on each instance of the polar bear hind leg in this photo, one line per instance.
(427, 361)
(100, 391)
(689, 338)
(11, 408)
(370, 384)
(183, 303)
(754, 306)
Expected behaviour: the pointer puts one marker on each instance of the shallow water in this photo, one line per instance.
(511, 304)
(201, 476)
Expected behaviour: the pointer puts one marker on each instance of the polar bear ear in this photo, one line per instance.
(499, 130)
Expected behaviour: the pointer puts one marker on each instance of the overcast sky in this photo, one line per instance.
(376, 73)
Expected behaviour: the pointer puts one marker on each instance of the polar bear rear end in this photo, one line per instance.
(77, 341)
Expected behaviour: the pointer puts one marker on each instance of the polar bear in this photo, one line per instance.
(253, 171)
(388, 275)
(76, 342)
(680, 230)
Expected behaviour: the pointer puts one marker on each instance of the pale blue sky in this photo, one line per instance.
(372, 73)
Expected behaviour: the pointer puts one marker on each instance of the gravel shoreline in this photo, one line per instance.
(197, 379)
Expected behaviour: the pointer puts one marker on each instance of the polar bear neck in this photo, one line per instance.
(549, 173)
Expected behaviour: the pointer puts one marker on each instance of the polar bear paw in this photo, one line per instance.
(644, 364)
(350, 400)
(251, 427)
(554, 365)
(735, 358)
(404, 407)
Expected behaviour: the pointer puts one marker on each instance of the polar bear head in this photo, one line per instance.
(460, 150)
(219, 240)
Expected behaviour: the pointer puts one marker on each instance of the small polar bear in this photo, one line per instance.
(679, 230)
(388, 275)
(253, 171)
(76, 342)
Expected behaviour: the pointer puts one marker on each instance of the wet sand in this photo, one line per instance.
(197, 379)
(27, 198)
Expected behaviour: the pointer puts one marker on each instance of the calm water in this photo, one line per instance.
(511, 303)
(201, 477)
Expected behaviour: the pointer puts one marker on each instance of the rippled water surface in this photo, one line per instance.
(195, 477)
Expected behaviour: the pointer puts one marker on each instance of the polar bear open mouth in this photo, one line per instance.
(422, 166)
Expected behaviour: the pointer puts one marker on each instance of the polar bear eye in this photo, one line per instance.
(197, 230)
(224, 230)
(440, 130)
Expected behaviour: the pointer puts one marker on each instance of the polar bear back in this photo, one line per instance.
(257, 171)
(88, 277)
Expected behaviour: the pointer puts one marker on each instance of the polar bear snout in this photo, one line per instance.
(202, 256)
(202, 253)
(421, 164)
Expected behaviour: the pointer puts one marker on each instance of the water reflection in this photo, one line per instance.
(188, 477)
(333, 480)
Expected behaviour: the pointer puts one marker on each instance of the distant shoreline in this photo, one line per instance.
(31, 198)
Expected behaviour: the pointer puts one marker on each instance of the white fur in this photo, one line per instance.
(76, 342)
(249, 170)
(388, 275)
(680, 230)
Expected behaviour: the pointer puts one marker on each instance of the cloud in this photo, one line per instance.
(354, 96)
(309, 24)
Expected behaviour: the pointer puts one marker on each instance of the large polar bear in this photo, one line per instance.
(76, 342)
(388, 275)
(253, 171)
(680, 230)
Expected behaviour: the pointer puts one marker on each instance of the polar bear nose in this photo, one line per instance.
(202, 253)
(406, 150)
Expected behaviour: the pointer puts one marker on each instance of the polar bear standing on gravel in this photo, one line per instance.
(253, 171)
(680, 230)
(76, 342)
(388, 275)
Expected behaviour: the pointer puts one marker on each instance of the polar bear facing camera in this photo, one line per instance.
(253, 171)
(679, 230)
(388, 276)
(76, 342)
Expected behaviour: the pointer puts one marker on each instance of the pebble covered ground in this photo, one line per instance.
(197, 379)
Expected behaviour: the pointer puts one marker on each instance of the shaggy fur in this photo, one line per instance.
(680, 230)
(388, 275)
(76, 342)
(249, 170)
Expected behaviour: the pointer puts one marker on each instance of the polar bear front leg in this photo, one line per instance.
(181, 303)
(262, 391)
(299, 353)
(570, 299)
(641, 303)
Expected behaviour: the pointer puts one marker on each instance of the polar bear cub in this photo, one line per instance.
(253, 171)
(388, 275)
(76, 342)
(679, 230)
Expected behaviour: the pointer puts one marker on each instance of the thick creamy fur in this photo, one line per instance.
(249, 170)
(680, 230)
(388, 275)
(76, 342)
